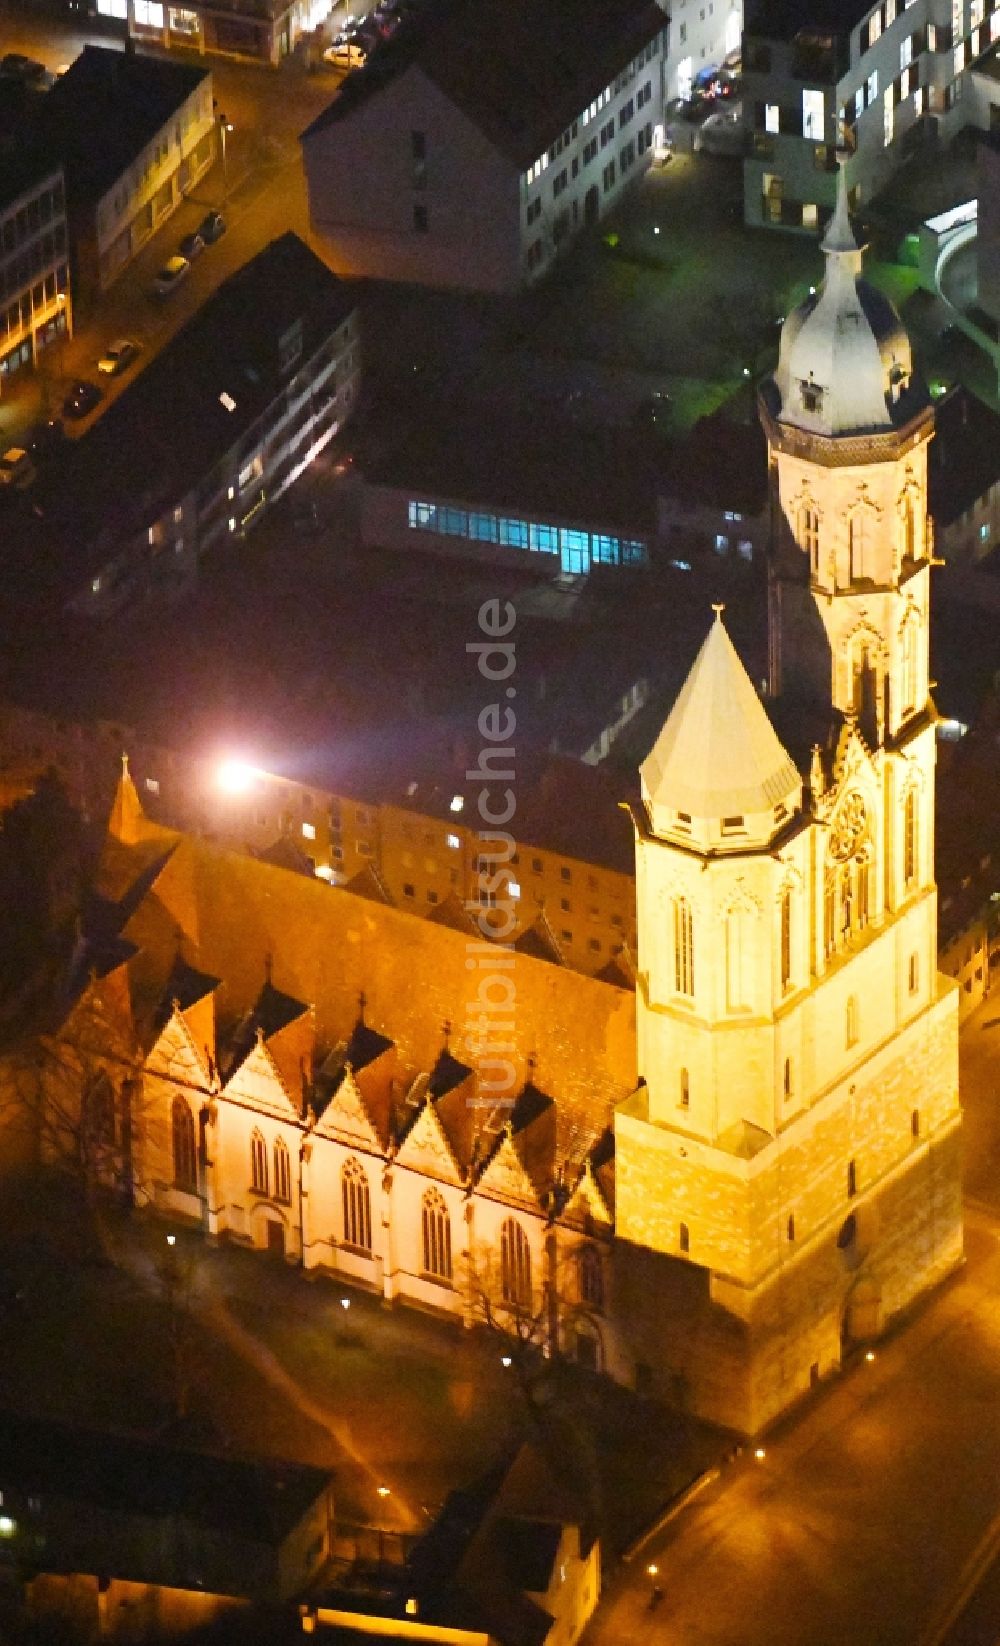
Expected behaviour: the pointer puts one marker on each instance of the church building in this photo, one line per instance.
(713, 1185)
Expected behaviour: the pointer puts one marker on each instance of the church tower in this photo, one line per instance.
(792, 1150)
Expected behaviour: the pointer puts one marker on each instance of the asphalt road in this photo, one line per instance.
(262, 193)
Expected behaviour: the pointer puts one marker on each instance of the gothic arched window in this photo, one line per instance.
(357, 1203)
(909, 527)
(809, 529)
(683, 947)
(857, 546)
(909, 665)
(258, 1163)
(436, 1233)
(910, 838)
(100, 1117)
(684, 1091)
(786, 940)
(515, 1265)
(590, 1274)
(282, 1172)
(182, 1138)
(737, 960)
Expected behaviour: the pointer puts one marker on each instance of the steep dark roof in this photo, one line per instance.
(528, 1549)
(518, 71)
(183, 987)
(101, 114)
(127, 1475)
(272, 1011)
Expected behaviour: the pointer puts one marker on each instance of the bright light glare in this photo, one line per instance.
(653, 1569)
(505, 1360)
(870, 1355)
(171, 1240)
(383, 1491)
(760, 1454)
(345, 1303)
(236, 776)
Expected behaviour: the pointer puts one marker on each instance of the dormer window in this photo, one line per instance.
(733, 825)
(684, 822)
(812, 397)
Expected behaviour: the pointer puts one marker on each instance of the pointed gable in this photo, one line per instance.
(346, 1118)
(539, 941)
(426, 1147)
(587, 1203)
(257, 1082)
(369, 883)
(717, 757)
(505, 1176)
(177, 1055)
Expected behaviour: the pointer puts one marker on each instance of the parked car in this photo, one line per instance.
(82, 399)
(723, 133)
(191, 246)
(174, 270)
(346, 56)
(118, 356)
(212, 227)
(16, 468)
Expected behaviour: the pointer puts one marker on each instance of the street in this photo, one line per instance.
(873, 1515)
(262, 195)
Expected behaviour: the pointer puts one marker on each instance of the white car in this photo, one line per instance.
(172, 273)
(118, 356)
(722, 133)
(348, 55)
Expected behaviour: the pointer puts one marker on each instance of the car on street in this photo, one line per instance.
(82, 399)
(191, 246)
(118, 356)
(174, 270)
(723, 133)
(350, 54)
(16, 468)
(212, 227)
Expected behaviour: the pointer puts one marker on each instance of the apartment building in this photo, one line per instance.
(36, 307)
(881, 79)
(135, 134)
(261, 31)
(481, 139)
(234, 408)
(703, 33)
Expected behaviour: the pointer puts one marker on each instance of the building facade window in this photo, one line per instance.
(684, 1238)
(683, 948)
(857, 545)
(910, 838)
(851, 1020)
(810, 538)
(435, 1228)
(684, 1093)
(185, 1154)
(852, 1179)
(282, 1172)
(357, 1206)
(515, 1265)
(786, 941)
(590, 1275)
(258, 1163)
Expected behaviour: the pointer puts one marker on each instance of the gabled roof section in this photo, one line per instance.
(347, 1118)
(272, 1012)
(283, 853)
(185, 986)
(454, 914)
(369, 883)
(427, 1148)
(506, 1177)
(539, 941)
(519, 72)
(718, 756)
(587, 1202)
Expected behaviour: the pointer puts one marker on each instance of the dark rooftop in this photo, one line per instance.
(126, 1475)
(171, 426)
(101, 114)
(964, 454)
(21, 167)
(784, 19)
(722, 464)
(518, 71)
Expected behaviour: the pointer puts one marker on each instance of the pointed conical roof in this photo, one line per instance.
(718, 755)
(127, 816)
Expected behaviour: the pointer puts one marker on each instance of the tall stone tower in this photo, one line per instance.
(795, 1137)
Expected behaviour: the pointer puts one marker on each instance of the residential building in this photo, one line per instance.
(703, 33)
(260, 33)
(36, 307)
(234, 408)
(134, 135)
(122, 1535)
(483, 137)
(883, 79)
(964, 478)
(712, 493)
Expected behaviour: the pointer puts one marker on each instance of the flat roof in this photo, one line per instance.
(101, 114)
(784, 19)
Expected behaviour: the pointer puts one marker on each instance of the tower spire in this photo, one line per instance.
(839, 241)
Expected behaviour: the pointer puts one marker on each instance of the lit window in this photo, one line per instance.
(873, 86)
(813, 115)
(514, 888)
(152, 785)
(453, 841)
(309, 831)
(887, 116)
(457, 803)
(772, 117)
(95, 585)
(227, 401)
(7, 1526)
(906, 52)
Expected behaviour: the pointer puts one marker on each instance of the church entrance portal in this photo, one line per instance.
(275, 1237)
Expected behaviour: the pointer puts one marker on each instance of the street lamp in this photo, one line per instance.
(225, 126)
